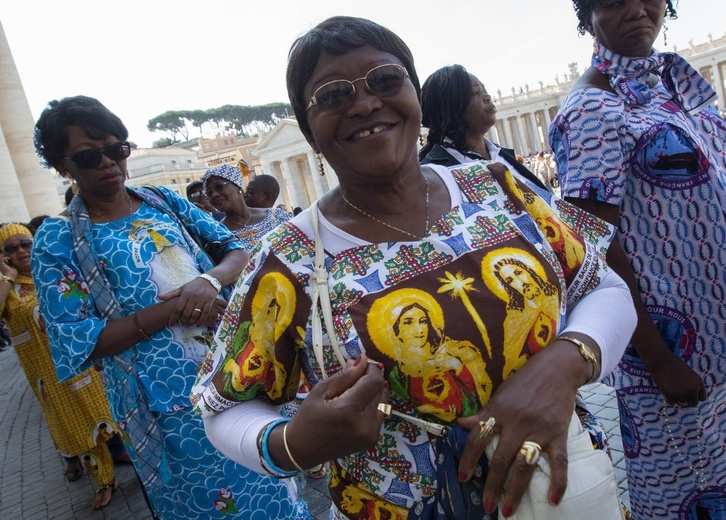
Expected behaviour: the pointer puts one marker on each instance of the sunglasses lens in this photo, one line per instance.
(117, 151)
(385, 81)
(12, 248)
(335, 97)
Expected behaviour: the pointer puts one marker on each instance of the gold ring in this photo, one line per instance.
(531, 451)
(218, 316)
(487, 428)
(385, 408)
(197, 310)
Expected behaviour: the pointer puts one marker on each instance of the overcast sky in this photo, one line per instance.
(142, 58)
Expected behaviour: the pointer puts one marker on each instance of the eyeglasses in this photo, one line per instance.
(216, 188)
(335, 97)
(197, 195)
(91, 158)
(12, 248)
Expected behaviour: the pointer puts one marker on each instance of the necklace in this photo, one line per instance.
(105, 217)
(702, 483)
(391, 226)
(238, 222)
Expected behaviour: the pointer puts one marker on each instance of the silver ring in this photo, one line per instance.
(531, 451)
(197, 310)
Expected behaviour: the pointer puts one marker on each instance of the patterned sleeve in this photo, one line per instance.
(586, 137)
(199, 221)
(256, 352)
(65, 303)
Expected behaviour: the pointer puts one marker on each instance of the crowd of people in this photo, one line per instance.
(421, 331)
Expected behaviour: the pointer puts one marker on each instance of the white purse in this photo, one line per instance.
(591, 488)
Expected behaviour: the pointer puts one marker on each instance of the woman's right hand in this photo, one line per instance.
(678, 383)
(338, 417)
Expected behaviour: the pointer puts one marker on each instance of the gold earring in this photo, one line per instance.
(321, 164)
(74, 187)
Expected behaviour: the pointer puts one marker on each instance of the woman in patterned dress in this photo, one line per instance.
(120, 279)
(409, 258)
(76, 409)
(638, 143)
(224, 187)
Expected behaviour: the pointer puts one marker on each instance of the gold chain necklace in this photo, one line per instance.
(104, 217)
(702, 483)
(238, 222)
(391, 226)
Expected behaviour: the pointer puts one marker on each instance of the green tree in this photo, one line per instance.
(163, 142)
(173, 122)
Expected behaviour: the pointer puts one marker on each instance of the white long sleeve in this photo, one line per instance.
(607, 315)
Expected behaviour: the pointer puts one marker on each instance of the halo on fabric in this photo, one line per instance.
(276, 290)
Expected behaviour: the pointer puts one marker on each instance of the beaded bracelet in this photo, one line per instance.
(135, 318)
(265, 458)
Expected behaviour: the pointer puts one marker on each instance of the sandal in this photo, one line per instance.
(74, 470)
(104, 493)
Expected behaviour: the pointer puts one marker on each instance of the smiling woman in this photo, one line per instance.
(398, 256)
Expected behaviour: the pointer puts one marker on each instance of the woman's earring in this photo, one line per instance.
(421, 139)
(321, 165)
(665, 35)
(74, 187)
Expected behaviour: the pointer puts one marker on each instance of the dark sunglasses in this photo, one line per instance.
(216, 188)
(91, 158)
(335, 97)
(11, 248)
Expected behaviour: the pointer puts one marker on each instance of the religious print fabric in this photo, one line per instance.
(449, 317)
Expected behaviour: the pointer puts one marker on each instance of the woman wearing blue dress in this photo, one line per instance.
(121, 280)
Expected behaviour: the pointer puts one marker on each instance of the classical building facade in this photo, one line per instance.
(171, 167)
(28, 190)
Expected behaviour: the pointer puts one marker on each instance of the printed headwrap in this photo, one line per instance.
(226, 171)
(10, 230)
(629, 77)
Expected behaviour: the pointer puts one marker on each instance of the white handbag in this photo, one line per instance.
(591, 488)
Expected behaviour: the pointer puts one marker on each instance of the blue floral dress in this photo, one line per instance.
(659, 154)
(143, 256)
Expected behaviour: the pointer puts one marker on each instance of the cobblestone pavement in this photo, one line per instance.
(32, 485)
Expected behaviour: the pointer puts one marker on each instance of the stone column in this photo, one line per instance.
(318, 180)
(295, 185)
(718, 78)
(37, 193)
(547, 122)
(508, 134)
(524, 145)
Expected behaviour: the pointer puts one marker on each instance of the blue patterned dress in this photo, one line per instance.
(418, 308)
(145, 255)
(666, 170)
(250, 235)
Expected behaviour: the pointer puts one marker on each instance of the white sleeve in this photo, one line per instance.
(234, 431)
(607, 315)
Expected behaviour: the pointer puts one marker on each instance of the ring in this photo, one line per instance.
(487, 428)
(218, 316)
(197, 310)
(385, 408)
(531, 451)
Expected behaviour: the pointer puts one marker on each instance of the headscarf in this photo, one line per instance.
(629, 77)
(10, 230)
(228, 172)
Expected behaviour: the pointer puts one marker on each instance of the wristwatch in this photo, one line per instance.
(211, 279)
(585, 352)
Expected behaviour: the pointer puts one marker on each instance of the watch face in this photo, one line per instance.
(211, 279)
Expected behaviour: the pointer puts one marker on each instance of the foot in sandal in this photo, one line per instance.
(103, 495)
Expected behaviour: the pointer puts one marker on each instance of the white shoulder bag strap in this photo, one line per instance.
(321, 295)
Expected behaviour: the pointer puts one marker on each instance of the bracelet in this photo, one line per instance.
(265, 458)
(212, 280)
(287, 448)
(585, 352)
(140, 330)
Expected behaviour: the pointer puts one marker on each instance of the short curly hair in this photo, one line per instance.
(338, 35)
(583, 10)
(90, 114)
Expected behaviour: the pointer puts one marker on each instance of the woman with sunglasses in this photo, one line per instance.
(654, 164)
(72, 408)
(120, 280)
(224, 187)
(501, 288)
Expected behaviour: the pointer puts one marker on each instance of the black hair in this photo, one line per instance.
(268, 184)
(338, 35)
(69, 196)
(583, 10)
(193, 186)
(35, 223)
(88, 113)
(444, 97)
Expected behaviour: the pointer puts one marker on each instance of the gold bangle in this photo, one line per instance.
(585, 352)
(144, 335)
(287, 449)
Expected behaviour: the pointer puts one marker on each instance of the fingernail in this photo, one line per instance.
(506, 510)
(463, 477)
(490, 506)
(198, 325)
(555, 500)
(357, 361)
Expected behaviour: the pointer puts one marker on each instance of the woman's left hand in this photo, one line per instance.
(535, 404)
(196, 303)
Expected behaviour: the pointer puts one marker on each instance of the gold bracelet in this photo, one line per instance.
(287, 449)
(587, 353)
(135, 317)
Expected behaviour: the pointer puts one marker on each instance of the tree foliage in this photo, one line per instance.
(243, 120)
